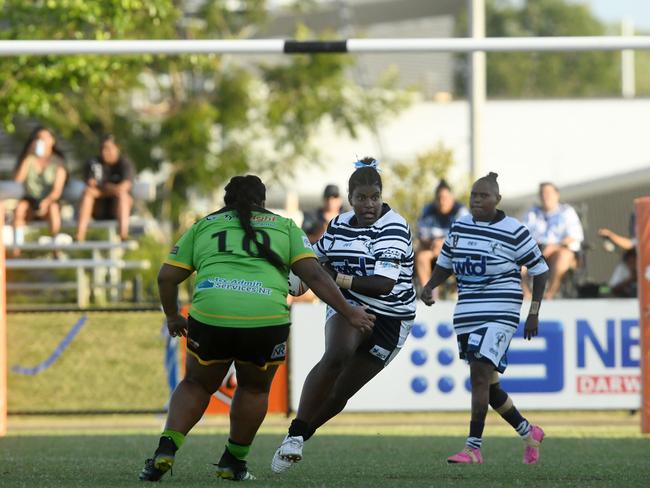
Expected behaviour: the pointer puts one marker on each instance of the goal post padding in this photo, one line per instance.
(642, 208)
(3, 332)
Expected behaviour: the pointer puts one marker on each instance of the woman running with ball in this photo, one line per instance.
(368, 251)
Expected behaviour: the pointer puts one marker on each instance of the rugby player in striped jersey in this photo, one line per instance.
(369, 253)
(486, 250)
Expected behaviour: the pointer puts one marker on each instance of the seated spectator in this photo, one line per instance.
(433, 226)
(557, 229)
(623, 282)
(109, 179)
(315, 223)
(40, 168)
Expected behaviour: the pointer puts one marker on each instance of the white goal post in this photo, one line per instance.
(281, 46)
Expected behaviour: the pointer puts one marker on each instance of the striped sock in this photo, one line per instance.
(523, 429)
(475, 434)
(474, 442)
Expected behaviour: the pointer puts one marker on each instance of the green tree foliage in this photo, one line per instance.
(410, 184)
(201, 119)
(539, 74)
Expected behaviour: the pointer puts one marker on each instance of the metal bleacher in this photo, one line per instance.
(95, 275)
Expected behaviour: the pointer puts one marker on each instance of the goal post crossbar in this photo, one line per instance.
(281, 46)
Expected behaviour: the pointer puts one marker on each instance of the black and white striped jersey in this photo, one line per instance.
(385, 249)
(486, 258)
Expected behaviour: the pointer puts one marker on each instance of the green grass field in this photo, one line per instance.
(114, 362)
(356, 450)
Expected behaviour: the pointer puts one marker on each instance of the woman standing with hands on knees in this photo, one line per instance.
(486, 250)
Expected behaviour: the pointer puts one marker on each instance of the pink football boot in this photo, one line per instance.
(469, 455)
(532, 443)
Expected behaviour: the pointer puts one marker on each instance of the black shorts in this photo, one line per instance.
(261, 346)
(34, 203)
(105, 208)
(387, 338)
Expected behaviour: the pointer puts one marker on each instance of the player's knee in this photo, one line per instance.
(199, 384)
(479, 378)
(334, 360)
(255, 388)
(499, 399)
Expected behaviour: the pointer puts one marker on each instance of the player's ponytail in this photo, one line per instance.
(367, 173)
(242, 194)
(491, 178)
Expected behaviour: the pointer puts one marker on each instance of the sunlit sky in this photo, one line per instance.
(638, 11)
(610, 11)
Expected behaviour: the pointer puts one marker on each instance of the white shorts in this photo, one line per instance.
(490, 343)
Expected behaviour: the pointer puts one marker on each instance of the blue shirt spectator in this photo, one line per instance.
(556, 228)
(433, 226)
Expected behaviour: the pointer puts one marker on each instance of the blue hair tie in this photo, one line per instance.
(374, 164)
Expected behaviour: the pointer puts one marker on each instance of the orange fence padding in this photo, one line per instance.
(642, 206)
(3, 331)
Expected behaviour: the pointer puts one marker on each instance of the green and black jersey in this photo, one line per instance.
(235, 286)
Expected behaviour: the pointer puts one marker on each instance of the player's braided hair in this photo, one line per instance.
(365, 175)
(242, 194)
(491, 178)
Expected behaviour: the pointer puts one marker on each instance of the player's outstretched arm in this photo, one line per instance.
(324, 287)
(370, 286)
(438, 277)
(532, 321)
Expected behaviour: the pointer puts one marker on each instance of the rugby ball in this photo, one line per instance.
(296, 286)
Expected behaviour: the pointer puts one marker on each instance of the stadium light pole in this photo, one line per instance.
(477, 89)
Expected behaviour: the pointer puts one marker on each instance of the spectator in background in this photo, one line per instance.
(109, 179)
(556, 228)
(40, 168)
(315, 223)
(433, 226)
(625, 243)
(623, 282)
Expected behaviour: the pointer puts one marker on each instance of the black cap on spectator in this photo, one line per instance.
(331, 191)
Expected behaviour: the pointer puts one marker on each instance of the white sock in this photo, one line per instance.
(19, 235)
